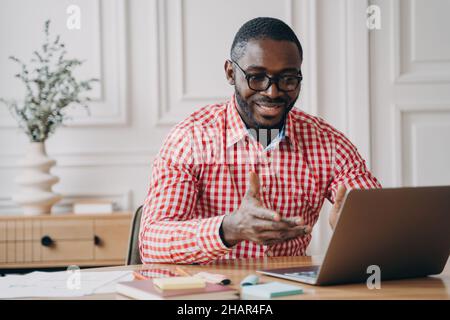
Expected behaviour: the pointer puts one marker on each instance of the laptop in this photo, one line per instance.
(403, 231)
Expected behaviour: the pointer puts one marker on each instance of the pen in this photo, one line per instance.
(213, 278)
(208, 277)
(182, 272)
(138, 276)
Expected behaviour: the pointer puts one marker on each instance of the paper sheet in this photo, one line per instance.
(61, 284)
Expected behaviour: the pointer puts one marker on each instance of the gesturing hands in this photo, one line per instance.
(336, 209)
(253, 222)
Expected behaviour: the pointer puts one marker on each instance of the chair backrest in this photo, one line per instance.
(133, 256)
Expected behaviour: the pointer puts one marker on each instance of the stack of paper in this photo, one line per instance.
(60, 284)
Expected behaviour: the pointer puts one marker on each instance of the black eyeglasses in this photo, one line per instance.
(262, 82)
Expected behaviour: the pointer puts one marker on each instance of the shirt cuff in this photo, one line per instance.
(209, 239)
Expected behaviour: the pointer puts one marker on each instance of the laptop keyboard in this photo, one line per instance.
(306, 275)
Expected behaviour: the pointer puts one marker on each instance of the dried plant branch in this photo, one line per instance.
(50, 88)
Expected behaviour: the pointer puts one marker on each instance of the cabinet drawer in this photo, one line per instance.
(60, 240)
(112, 239)
(69, 229)
(67, 250)
(2, 252)
(2, 231)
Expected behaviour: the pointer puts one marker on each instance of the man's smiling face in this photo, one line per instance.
(265, 109)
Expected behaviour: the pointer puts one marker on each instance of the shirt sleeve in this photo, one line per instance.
(171, 231)
(349, 169)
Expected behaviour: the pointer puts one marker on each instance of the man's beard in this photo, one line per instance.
(248, 113)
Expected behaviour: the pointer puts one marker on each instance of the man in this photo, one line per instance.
(247, 178)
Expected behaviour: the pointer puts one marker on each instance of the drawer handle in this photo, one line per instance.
(47, 241)
(97, 240)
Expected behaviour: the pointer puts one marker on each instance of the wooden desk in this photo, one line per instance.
(433, 287)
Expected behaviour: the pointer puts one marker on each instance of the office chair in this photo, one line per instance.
(133, 256)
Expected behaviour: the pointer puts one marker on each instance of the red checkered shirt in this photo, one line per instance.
(201, 174)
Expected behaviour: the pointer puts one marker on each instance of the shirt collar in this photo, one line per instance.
(236, 128)
(289, 127)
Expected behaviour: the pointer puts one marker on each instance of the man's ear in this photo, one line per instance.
(229, 72)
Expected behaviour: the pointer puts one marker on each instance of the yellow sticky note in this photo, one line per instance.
(179, 283)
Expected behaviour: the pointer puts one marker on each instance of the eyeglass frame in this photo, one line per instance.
(272, 80)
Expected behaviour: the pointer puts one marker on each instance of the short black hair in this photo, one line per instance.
(262, 28)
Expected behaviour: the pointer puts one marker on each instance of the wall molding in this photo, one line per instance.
(122, 202)
(88, 159)
(356, 76)
(111, 108)
(181, 43)
(402, 41)
(166, 113)
(306, 27)
(399, 112)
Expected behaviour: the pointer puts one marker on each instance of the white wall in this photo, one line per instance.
(161, 59)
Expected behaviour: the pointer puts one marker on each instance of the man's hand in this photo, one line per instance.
(336, 209)
(253, 222)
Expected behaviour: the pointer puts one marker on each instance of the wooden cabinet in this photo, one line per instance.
(63, 240)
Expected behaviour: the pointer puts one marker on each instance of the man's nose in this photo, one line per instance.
(272, 91)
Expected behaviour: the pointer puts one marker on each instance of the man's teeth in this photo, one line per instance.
(270, 106)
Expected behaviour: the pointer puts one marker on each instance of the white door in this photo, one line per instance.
(410, 93)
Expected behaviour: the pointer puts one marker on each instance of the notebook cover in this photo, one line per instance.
(271, 290)
(145, 289)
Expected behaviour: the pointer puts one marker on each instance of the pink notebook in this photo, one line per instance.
(146, 290)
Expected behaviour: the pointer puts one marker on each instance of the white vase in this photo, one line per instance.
(35, 182)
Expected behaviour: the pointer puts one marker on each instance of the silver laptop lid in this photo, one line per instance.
(403, 231)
